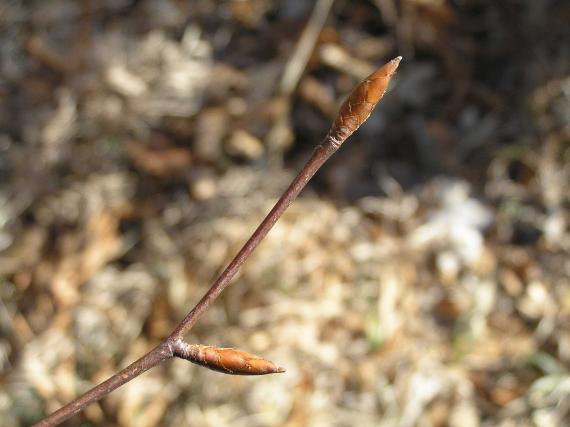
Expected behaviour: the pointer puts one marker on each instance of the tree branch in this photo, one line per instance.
(354, 111)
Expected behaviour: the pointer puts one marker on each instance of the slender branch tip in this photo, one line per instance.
(354, 111)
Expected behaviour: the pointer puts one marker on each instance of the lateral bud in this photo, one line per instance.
(226, 360)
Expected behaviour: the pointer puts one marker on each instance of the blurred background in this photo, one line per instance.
(422, 279)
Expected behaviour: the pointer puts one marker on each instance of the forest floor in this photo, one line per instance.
(422, 279)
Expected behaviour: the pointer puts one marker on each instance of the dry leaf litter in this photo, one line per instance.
(422, 280)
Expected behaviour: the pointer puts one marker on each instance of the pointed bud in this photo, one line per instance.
(360, 103)
(227, 360)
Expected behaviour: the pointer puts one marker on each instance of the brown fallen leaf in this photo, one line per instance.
(163, 163)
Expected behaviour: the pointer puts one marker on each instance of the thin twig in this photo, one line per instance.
(355, 110)
(148, 361)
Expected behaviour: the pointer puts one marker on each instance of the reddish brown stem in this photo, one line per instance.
(320, 155)
(352, 114)
(148, 361)
(355, 110)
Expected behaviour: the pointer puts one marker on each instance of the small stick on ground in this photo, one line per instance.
(305, 45)
(355, 110)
